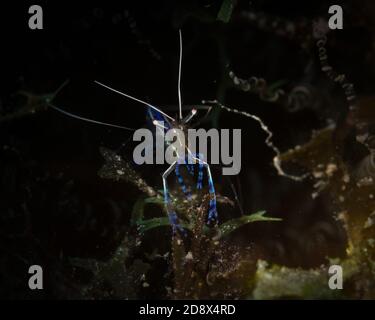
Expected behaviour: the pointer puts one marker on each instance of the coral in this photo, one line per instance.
(115, 278)
(353, 204)
(194, 256)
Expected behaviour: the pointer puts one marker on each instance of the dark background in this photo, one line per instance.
(54, 205)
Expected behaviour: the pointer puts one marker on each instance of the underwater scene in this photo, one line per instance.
(187, 150)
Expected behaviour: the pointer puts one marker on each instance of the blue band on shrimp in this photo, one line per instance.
(212, 210)
(181, 182)
(173, 220)
(190, 168)
(211, 187)
(200, 171)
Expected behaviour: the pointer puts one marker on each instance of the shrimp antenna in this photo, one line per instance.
(179, 77)
(135, 99)
(87, 119)
(60, 88)
(79, 117)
